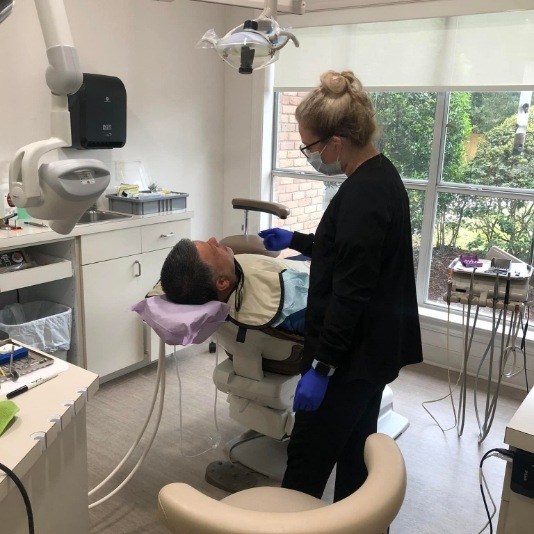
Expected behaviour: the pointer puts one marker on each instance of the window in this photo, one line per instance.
(467, 161)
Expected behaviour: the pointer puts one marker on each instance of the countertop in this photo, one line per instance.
(34, 235)
(520, 430)
(44, 411)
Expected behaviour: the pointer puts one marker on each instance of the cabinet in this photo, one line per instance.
(54, 278)
(118, 269)
(517, 511)
(47, 449)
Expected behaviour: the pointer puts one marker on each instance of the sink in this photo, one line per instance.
(94, 216)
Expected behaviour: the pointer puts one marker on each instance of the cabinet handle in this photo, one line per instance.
(170, 234)
(138, 263)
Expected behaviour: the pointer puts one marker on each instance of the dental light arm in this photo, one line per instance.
(59, 191)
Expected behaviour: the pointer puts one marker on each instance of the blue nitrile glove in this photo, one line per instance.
(310, 391)
(276, 238)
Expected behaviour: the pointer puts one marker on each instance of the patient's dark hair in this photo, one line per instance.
(185, 278)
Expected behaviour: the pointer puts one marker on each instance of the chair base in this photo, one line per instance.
(389, 421)
(262, 454)
(267, 456)
(230, 476)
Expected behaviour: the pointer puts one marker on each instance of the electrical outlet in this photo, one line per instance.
(522, 480)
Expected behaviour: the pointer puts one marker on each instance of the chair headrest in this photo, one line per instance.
(181, 324)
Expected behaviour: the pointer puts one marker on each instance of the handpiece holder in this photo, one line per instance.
(247, 204)
(253, 244)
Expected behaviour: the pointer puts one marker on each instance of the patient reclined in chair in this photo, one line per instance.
(262, 370)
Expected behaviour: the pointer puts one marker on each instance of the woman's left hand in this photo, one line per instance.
(310, 392)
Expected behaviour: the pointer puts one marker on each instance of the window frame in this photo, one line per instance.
(432, 187)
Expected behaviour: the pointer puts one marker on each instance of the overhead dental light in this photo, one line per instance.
(60, 191)
(252, 45)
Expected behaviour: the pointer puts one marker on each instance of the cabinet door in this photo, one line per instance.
(113, 333)
(152, 263)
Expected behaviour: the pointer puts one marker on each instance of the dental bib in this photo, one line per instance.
(263, 290)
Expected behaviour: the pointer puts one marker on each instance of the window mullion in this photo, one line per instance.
(429, 210)
(274, 154)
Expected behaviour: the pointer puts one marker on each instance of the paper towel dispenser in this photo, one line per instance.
(98, 113)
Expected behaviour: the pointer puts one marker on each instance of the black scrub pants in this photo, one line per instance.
(333, 434)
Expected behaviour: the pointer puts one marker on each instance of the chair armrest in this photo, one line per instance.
(370, 510)
(273, 208)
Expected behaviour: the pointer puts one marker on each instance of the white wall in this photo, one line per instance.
(175, 91)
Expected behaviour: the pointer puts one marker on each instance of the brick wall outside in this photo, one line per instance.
(303, 197)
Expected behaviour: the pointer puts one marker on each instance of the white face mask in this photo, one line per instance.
(330, 169)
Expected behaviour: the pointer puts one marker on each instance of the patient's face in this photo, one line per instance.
(219, 257)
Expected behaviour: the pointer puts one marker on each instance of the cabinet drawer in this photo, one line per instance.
(164, 235)
(108, 245)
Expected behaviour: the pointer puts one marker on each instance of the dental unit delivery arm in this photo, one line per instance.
(48, 191)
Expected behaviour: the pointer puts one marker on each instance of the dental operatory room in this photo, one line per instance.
(266, 266)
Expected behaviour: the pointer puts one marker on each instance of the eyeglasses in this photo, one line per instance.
(305, 148)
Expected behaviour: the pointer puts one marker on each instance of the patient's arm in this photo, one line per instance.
(294, 323)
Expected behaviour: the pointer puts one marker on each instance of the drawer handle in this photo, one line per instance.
(170, 234)
(138, 264)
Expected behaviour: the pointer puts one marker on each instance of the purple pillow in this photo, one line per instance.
(182, 324)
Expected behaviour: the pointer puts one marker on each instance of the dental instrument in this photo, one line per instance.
(502, 284)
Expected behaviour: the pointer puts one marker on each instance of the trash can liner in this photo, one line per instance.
(41, 324)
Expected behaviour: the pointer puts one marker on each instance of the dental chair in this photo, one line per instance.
(260, 376)
(271, 510)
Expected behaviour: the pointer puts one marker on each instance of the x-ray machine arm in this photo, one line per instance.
(60, 191)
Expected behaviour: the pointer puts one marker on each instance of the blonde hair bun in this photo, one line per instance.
(339, 83)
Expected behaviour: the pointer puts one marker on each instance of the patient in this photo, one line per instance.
(262, 291)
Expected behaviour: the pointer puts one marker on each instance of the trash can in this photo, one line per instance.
(41, 324)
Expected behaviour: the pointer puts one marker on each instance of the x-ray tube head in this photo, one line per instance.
(5, 9)
(66, 189)
(69, 188)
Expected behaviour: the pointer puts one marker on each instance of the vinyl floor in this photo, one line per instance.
(443, 495)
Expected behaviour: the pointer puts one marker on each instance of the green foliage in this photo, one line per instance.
(406, 126)
(406, 131)
(458, 131)
(507, 223)
(417, 201)
(451, 208)
(496, 164)
(490, 109)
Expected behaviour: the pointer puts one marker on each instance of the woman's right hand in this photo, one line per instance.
(276, 238)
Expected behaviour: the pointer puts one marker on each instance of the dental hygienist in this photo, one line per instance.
(362, 322)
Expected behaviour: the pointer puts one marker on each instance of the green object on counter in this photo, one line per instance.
(8, 409)
(22, 214)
